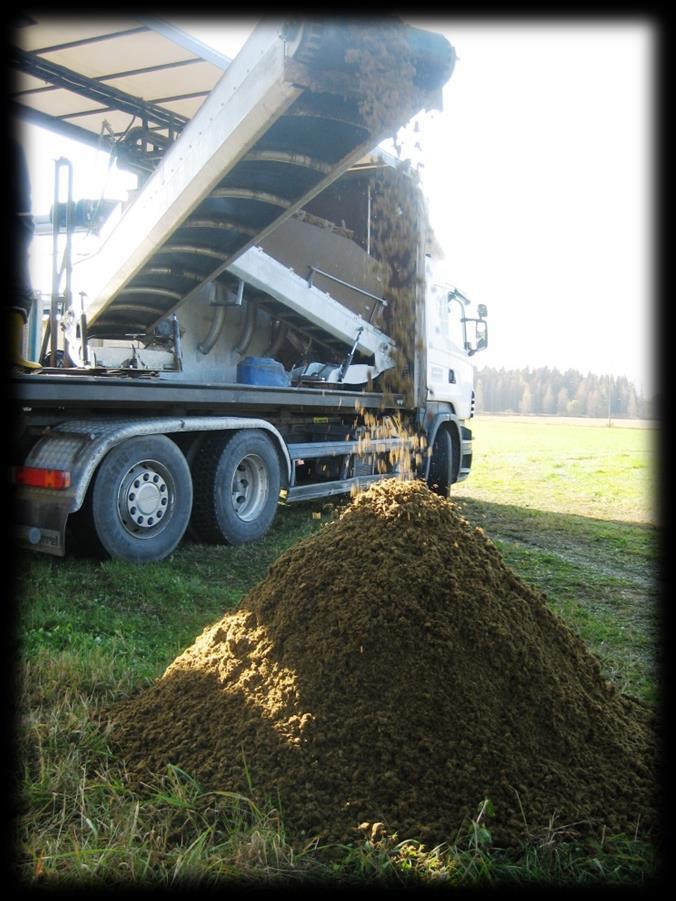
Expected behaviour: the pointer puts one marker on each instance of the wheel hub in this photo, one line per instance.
(144, 497)
(249, 487)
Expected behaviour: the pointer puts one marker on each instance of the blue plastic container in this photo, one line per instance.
(262, 371)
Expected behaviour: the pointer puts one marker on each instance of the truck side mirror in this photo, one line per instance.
(475, 330)
(481, 334)
(477, 335)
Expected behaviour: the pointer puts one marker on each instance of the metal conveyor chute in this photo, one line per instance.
(297, 106)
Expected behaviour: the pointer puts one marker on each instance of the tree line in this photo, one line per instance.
(554, 393)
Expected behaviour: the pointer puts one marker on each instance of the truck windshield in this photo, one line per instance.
(448, 316)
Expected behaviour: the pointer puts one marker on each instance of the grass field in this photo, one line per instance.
(571, 508)
(565, 466)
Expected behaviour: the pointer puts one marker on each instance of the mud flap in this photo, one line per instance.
(41, 525)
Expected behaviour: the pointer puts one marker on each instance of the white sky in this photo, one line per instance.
(539, 178)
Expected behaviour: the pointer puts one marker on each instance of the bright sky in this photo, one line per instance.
(539, 178)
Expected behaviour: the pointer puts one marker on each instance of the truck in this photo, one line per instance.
(267, 321)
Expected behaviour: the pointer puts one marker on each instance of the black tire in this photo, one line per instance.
(441, 465)
(237, 481)
(142, 499)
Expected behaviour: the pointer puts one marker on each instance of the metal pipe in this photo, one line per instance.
(83, 330)
(214, 331)
(217, 299)
(249, 326)
(68, 257)
(340, 281)
(178, 349)
(278, 336)
(348, 359)
(57, 271)
(215, 294)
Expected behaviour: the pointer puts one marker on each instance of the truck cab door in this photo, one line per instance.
(449, 372)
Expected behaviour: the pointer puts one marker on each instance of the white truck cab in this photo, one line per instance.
(451, 338)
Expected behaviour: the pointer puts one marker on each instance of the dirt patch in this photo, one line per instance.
(391, 668)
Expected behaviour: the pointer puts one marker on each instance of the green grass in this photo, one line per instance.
(572, 509)
(142, 617)
(90, 632)
(606, 473)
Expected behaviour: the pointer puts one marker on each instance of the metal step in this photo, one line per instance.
(328, 489)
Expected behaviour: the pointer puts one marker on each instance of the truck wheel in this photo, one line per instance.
(237, 481)
(441, 464)
(142, 498)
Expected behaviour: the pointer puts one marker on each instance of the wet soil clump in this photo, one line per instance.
(391, 668)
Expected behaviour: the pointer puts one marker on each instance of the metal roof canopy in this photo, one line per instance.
(130, 85)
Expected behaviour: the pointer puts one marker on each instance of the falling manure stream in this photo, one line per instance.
(391, 668)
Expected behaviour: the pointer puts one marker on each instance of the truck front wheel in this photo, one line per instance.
(441, 465)
(142, 499)
(237, 481)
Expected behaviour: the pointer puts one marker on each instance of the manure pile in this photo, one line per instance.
(391, 668)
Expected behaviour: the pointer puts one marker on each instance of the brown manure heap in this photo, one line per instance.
(391, 668)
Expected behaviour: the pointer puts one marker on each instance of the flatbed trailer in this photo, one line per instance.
(56, 394)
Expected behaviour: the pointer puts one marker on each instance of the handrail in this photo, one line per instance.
(340, 281)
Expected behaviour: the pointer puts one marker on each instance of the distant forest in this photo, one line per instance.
(554, 393)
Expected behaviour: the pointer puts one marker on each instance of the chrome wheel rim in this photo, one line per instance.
(250, 487)
(145, 499)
